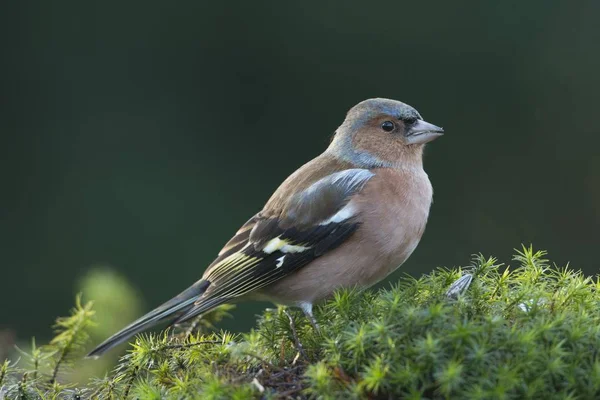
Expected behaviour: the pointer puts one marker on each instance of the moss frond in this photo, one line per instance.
(528, 331)
(71, 337)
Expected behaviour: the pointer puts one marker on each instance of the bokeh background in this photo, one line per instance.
(138, 136)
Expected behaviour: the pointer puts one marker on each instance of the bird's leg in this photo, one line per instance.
(295, 334)
(307, 310)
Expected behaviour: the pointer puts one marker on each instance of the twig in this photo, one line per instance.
(3, 371)
(22, 383)
(61, 358)
(295, 335)
(187, 345)
(109, 394)
(36, 366)
(290, 392)
(190, 329)
(262, 360)
(130, 382)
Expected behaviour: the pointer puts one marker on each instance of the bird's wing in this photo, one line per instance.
(283, 238)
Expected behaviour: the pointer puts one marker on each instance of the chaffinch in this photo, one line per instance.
(347, 218)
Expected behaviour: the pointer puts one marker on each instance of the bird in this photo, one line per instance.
(347, 218)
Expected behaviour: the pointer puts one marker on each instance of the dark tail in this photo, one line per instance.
(172, 309)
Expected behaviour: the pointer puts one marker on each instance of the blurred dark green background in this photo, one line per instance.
(140, 135)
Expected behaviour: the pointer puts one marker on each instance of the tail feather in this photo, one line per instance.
(172, 309)
(197, 309)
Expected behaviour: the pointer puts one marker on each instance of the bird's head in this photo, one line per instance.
(383, 132)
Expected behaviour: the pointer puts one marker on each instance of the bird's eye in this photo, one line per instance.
(388, 126)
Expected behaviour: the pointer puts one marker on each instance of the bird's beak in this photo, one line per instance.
(422, 132)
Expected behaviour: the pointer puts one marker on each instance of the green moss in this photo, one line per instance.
(532, 331)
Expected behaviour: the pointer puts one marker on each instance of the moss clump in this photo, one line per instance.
(527, 332)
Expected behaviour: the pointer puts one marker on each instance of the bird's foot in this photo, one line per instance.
(313, 322)
(307, 310)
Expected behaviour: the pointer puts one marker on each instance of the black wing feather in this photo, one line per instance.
(264, 271)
